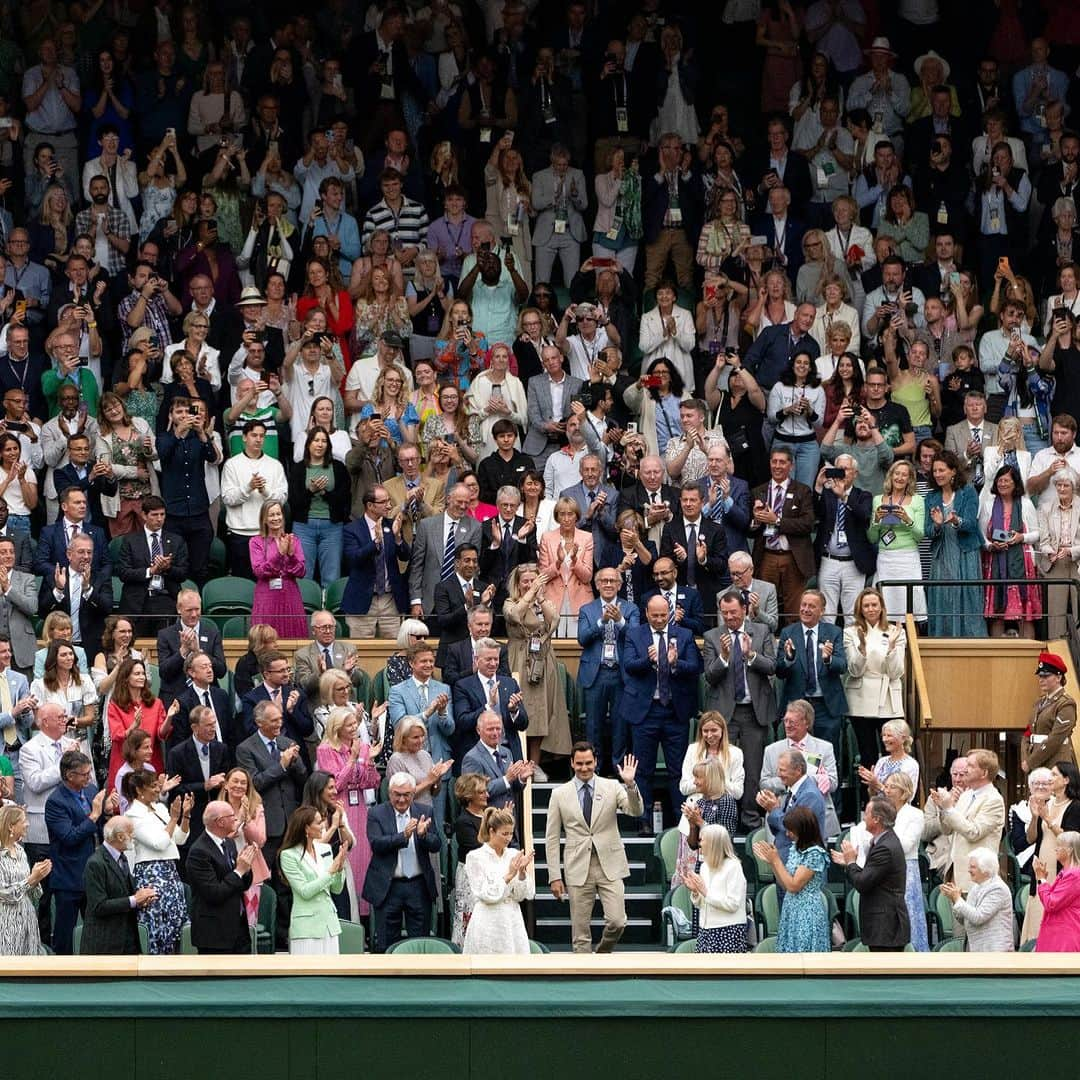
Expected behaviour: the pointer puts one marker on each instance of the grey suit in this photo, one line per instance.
(429, 544)
(306, 666)
(957, 437)
(537, 440)
(748, 725)
(571, 196)
(501, 791)
(602, 524)
(19, 602)
(770, 779)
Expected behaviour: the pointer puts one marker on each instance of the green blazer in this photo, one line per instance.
(313, 912)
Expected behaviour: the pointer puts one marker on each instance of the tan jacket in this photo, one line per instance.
(434, 501)
(610, 798)
(1051, 733)
(973, 823)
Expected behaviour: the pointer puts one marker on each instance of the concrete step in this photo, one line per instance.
(639, 932)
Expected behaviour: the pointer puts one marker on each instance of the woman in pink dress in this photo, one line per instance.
(482, 511)
(133, 705)
(566, 557)
(239, 792)
(778, 34)
(348, 759)
(1060, 930)
(277, 560)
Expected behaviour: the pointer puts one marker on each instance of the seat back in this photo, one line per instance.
(766, 945)
(666, 849)
(767, 909)
(352, 939)
(427, 945)
(690, 945)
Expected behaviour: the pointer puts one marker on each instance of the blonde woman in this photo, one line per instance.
(565, 558)
(531, 620)
(718, 893)
(897, 741)
(500, 879)
(20, 887)
(834, 311)
(348, 755)
(1008, 450)
(52, 235)
(1057, 555)
(410, 755)
(497, 394)
(875, 656)
(390, 399)
(897, 524)
(428, 297)
(509, 202)
(713, 744)
(710, 804)
(238, 790)
(773, 305)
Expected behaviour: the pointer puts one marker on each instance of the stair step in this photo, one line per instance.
(640, 932)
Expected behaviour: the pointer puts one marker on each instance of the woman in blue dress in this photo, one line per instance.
(804, 918)
(952, 523)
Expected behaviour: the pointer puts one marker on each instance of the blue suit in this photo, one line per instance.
(603, 684)
(653, 721)
(296, 723)
(689, 600)
(736, 512)
(828, 699)
(18, 688)
(52, 548)
(809, 796)
(71, 843)
(358, 559)
(404, 700)
(470, 700)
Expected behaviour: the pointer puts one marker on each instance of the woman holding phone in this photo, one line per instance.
(897, 523)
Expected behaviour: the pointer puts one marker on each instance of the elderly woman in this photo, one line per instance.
(410, 755)
(725, 235)
(820, 267)
(716, 318)
(565, 560)
(618, 227)
(897, 742)
(1009, 528)
(20, 887)
(632, 556)
(1057, 255)
(710, 803)
(1060, 931)
(834, 312)
(718, 893)
(986, 913)
(668, 333)
(910, 228)
(410, 633)
(497, 394)
(1058, 553)
(875, 654)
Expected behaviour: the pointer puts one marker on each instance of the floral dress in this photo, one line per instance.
(158, 204)
(372, 320)
(804, 922)
(453, 359)
(130, 453)
(18, 916)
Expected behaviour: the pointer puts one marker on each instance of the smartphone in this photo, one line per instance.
(450, 440)
(603, 261)
(1003, 264)
(891, 517)
(1061, 313)
(631, 427)
(1000, 536)
(375, 416)
(834, 473)
(651, 381)
(20, 307)
(954, 277)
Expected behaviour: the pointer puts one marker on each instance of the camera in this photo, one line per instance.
(584, 395)
(485, 245)
(318, 338)
(1000, 536)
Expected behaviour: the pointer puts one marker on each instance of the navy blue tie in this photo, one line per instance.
(663, 672)
(811, 665)
(738, 667)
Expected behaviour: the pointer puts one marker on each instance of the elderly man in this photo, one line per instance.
(311, 662)
(488, 690)
(201, 691)
(846, 557)
(414, 495)
(797, 790)
(110, 921)
(974, 818)
(460, 660)
(986, 915)
(820, 757)
(939, 844)
(507, 541)
(883, 916)
(726, 496)
(650, 497)
(596, 500)
(435, 547)
(219, 875)
(783, 231)
(549, 397)
(739, 661)
(201, 761)
(772, 351)
(187, 636)
(495, 758)
(71, 817)
(278, 772)
(400, 883)
(884, 93)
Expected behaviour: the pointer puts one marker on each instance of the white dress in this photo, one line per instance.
(77, 696)
(496, 925)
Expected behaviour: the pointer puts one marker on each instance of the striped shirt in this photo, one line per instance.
(407, 227)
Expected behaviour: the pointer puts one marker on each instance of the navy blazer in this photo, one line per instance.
(859, 508)
(605, 518)
(640, 674)
(737, 518)
(297, 724)
(792, 673)
(71, 836)
(223, 709)
(640, 576)
(689, 600)
(183, 761)
(655, 203)
(470, 700)
(68, 476)
(52, 548)
(590, 635)
(92, 612)
(794, 231)
(459, 662)
(710, 576)
(768, 358)
(171, 663)
(386, 842)
(809, 796)
(134, 560)
(358, 561)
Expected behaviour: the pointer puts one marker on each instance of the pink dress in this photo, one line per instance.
(352, 776)
(283, 608)
(1060, 930)
(255, 833)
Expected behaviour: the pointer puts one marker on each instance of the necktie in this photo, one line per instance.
(74, 532)
(787, 799)
(671, 608)
(275, 751)
(75, 594)
(380, 560)
(716, 511)
(841, 519)
(206, 699)
(228, 847)
(507, 537)
(328, 657)
(59, 749)
(811, 664)
(204, 749)
(777, 506)
(738, 666)
(493, 695)
(586, 803)
(449, 552)
(609, 639)
(591, 496)
(423, 688)
(155, 546)
(977, 476)
(691, 557)
(663, 672)
(121, 863)
(84, 802)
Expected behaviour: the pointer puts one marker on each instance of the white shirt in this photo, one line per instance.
(242, 503)
(1045, 458)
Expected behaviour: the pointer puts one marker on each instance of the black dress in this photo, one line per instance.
(742, 429)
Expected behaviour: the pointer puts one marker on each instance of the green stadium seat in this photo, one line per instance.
(767, 910)
(766, 945)
(1029, 946)
(311, 593)
(228, 596)
(218, 557)
(236, 626)
(266, 925)
(154, 674)
(952, 945)
(666, 849)
(538, 947)
(764, 869)
(353, 938)
(334, 592)
(424, 945)
(114, 549)
(690, 945)
(117, 588)
(678, 898)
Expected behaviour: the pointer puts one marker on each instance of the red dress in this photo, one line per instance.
(121, 721)
(283, 608)
(341, 327)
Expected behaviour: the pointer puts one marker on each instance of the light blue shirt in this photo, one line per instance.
(347, 230)
(408, 863)
(52, 116)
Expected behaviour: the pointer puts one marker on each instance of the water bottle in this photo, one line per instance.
(657, 817)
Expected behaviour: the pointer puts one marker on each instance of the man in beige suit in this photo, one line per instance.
(586, 808)
(974, 818)
(415, 496)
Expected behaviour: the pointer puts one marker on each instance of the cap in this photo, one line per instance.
(393, 340)
(1050, 664)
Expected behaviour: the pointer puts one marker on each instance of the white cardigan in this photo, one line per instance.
(1027, 508)
(153, 841)
(513, 394)
(724, 901)
(734, 774)
(110, 504)
(874, 682)
(654, 342)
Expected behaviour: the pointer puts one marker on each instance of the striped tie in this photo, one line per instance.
(449, 553)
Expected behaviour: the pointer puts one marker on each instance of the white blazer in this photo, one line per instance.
(40, 767)
(153, 840)
(724, 900)
(874, 682)
(678, 350)
(513, 394)
(734, 774)
(993, 459)
(986, 506)
(844, 314)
